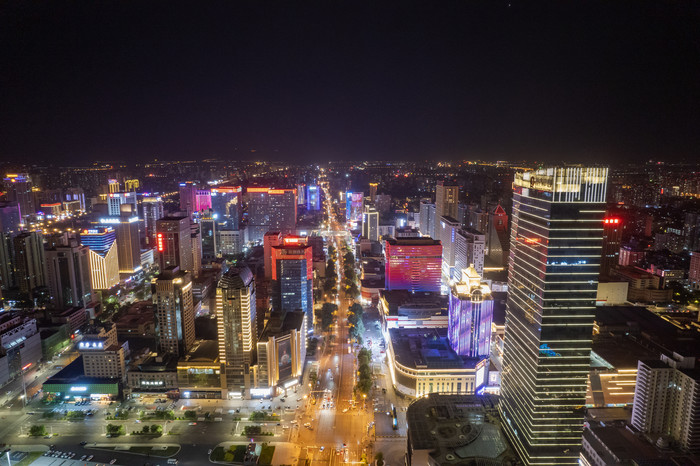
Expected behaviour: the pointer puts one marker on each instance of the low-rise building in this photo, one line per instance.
(153, 374)
(405, 309)
(200, 373)
(281, 352)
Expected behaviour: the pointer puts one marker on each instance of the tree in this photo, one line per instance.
(190, 415)
(37, 431)
(156, 429)
(379, 457)
(113, 429)
(145, 429)
(328, 315)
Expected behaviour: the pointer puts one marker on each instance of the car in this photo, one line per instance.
(83, 443)
(209, 452)
(345, 410)
(82, 458)
(113, 461)
(293, 421)
(322, 448)
(89, 457)
(192, 424)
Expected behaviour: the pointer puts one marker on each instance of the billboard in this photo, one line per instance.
(284, 359)
(353, 206)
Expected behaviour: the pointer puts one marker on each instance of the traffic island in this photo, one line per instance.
(160, 451)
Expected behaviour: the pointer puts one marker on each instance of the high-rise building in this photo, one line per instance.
(174, 308)
(313, 197)
(102, 355)
(556, 239)
(30, 263)
(413, 264)
(301, 194)
(103, 255)
(9, 217)
(271, 210)
(270, 240)
(237, 329)
(73, 195)
(498, 241)
(227, 206)
(174, 243)
(126, 228)
(691, 231)
(447, 229)
(152, 212)
(19, 190)
(68, 275)
(207, 225)
(612, 239)
(292, 276)
(116, 200)
(188, 197)
(446, 202)
(370, 223)
(112, 186)
(693, 271)
(373, 192)
(353, 207)
(666, 401)
(196, 241)
(427, 218)
(469, 250)
(470, 316)
(7, 269)
(230, 241)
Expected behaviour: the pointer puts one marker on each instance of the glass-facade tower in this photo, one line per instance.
(554, 261)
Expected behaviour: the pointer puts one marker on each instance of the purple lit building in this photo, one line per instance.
(470, 316)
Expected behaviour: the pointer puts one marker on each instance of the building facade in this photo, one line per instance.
(413, 264)
(174, 309)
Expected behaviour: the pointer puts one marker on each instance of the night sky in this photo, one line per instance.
(135, 80)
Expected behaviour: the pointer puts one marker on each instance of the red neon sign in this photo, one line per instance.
(612, 221)
(160, 242)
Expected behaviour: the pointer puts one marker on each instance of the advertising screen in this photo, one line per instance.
(284, 361)
(480, 373)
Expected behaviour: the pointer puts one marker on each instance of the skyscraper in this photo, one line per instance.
(226, 204)
(373, 192)
(126, 228)
(30, 264)
(313, 197)
(446, 202)
(19, 190)
(116, 200)
(271, 210)
(469, 250)
(370, 223)
(470, 315)
(612, 240)
(353, 207)
(270, 240)
(555, 247)
(427, 218)
(497, 239)
(174, 308)
(413, 264)
(207, 225)
(292, 276)
(152, 211)
(68, 275)
(174, 243)
(103, 255)
(446, 231)
(9, 217)
(237, 329)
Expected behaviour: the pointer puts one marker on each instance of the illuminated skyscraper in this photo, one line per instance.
(207, 225)
(612, 240)
(271, 210)
(237, 329)
(30, 265)
(152, 211)
(373, 192)
(174, 308)
(19, 190)
(446, 231)
(413, 264)
(174, 243)
(469, 250)
(126, 228)
(313, 197)
(555, 248)
(446, 202)
(227, 206)
(104, 258)
(370, 223)
(497, 238)
(115, 201)
(470, 316)
(292, 276)
(68, 275)
(270, 240)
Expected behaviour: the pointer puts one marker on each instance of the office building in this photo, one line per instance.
(270, 240)
(196, 241)
(126, 229)
(666, 402)
(271, 210)
(479, 220)
(18, 188)
(446, 201)
(694, 270)
(418, 309)
(207, 225)
(29, 262)
(112, 186)
(427, 218)
(691, 231)
(7, 269)
(75, 195)
(471, 314)
(281, 351)
(413, 264)
(448, 228)
(313, 197)
(174, 243)
(612, 237)
(555, 248)
(373, 192)
(292, 276)
(20, 346)
(498, 240)
(194, 199)
(227, 205)
(469, 250)
(353, 207)
(116, 200)
(237, 329)
(174, 308)
(9, 217)
(230, 242)
(301, 194)
(383, 203)
(68, 275)
(152, 212)
(101, 353)
(103, 255)
(370, 223)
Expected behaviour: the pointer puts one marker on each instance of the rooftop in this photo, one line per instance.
(458, 430)
(399, 301)
(204, 351)
(426, 348)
